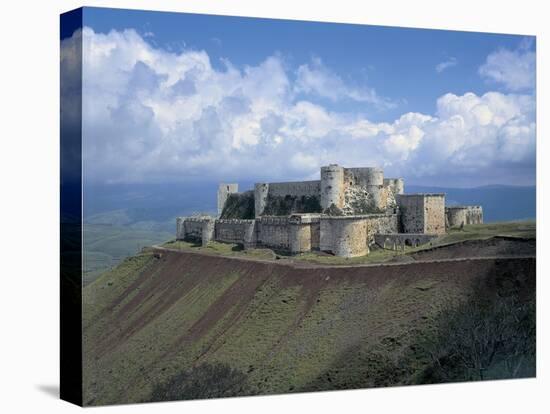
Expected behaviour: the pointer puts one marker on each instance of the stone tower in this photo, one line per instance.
(332, 186)
(223, 192)
(261, 191)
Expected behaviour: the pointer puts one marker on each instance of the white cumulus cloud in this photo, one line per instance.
(153, 115)
(317, 79)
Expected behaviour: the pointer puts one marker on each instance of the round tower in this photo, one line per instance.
(373, 180)
(348, 235)
(332, 186)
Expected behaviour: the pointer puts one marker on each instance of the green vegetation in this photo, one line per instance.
(283, 206)
(239, 206)
(485, 337)
(522, 229)
(222, 249)
(164, 325)
(106, 246)
(204, 381)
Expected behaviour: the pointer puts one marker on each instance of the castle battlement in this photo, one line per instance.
(345, 212)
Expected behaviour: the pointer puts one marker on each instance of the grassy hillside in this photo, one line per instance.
(182, 324)
(105, 246)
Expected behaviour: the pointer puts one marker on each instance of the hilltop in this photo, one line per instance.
(164, 321)
(479, 240)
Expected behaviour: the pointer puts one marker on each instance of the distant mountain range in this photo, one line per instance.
(155, 206)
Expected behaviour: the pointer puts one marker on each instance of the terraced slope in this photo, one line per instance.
(285, 328)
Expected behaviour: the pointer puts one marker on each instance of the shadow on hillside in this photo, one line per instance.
(488, 336)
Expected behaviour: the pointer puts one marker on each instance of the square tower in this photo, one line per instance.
(422, 213)
(223, 192)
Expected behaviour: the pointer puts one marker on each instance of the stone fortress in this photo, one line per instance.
(344, 213)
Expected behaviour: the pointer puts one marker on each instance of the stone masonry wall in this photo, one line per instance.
(315, 235)
(236, 231)
(434, 214)
(400, 240)
(273, 232)
(411, 207)
(299, 238)
(458, 215)
(422, 213)
(192, 228)
(381, 223)
(295, 188)
(344, 236)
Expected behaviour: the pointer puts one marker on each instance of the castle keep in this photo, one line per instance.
(344, 213)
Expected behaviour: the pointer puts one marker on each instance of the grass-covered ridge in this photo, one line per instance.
(160, 318)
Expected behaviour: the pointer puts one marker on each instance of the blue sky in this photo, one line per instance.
(398, 62)
(190, 97)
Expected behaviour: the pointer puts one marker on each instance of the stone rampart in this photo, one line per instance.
(191, 228)
(381, 223)
(398, 241)
(295, 188)
(462, 215)
(236, 231)
(344, 235)
(273, 232)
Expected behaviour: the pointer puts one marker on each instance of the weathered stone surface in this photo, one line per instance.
(224, 190)
(422, 213)
(462, 215)
(398, 241)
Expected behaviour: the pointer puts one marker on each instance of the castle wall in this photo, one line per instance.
(223, 192)
(303, 232)
(458, 215)
(295, 188)
(411, 207)
(434, 214)
(273, 232)
(400, 240)
(344, 235)
(193, 228)
(381, 223)
(236, 231)
(207, 231)
(315, 230)
(299, 238)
